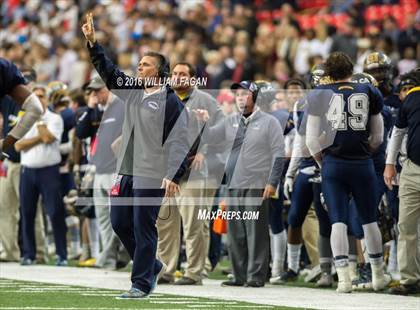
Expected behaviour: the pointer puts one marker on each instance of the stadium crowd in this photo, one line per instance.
(56, 182)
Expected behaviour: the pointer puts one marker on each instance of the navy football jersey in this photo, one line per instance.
(10, 77)
(345, 110)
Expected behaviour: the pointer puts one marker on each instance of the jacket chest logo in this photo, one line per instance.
(152, 105)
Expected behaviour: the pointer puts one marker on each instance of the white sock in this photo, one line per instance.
(373, 239)
(340, 244)
(293, 256)
(278, 252)
(73, 228)
(392, 260)
(353, 258)
(94, 238)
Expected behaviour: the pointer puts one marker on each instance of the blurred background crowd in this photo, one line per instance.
(227, 41)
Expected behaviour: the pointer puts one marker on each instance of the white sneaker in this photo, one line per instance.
(380, 279)
(344, 283)
(313, 274)
(276, 280)
(326, 280)
(353, 271)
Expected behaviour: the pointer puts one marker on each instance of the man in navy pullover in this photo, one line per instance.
(151, 159)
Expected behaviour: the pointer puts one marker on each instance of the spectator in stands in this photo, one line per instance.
(410, 36)
(345, 40)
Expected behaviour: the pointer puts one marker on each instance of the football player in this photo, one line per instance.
(353, 115)
(364, 281)
(379, 65)
(302, 192)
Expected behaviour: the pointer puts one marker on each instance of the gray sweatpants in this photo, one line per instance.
(248, 239)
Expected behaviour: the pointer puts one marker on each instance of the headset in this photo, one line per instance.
(164, 68)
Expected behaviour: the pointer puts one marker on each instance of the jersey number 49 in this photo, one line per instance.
(355, 116)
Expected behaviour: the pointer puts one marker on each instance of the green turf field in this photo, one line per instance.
(15, 295)
(224, 264)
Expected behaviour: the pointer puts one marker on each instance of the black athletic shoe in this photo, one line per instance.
(232, 283)
(408, 289)
(288, 276)
(254, 284)
(165, 281)
(365, 278)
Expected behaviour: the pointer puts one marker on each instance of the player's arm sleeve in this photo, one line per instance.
(113, 77)
(394, 145)
(397, 136)
(33, 111)
(277, 151)
(313, 132)
(298, 145)
(376, 131)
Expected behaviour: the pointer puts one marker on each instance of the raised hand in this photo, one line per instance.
(89, 29)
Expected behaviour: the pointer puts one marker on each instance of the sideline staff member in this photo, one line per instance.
(154, 145)
(408, 122)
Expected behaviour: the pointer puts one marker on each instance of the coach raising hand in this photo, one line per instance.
(151, 160)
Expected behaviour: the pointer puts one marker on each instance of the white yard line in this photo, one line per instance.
(269, 295)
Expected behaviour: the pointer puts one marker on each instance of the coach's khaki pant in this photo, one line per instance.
(310, 233)
(209, 193)
(409, 215)
(185, 207)
(9, 216)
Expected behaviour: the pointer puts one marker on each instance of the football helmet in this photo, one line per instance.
(379, 66)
